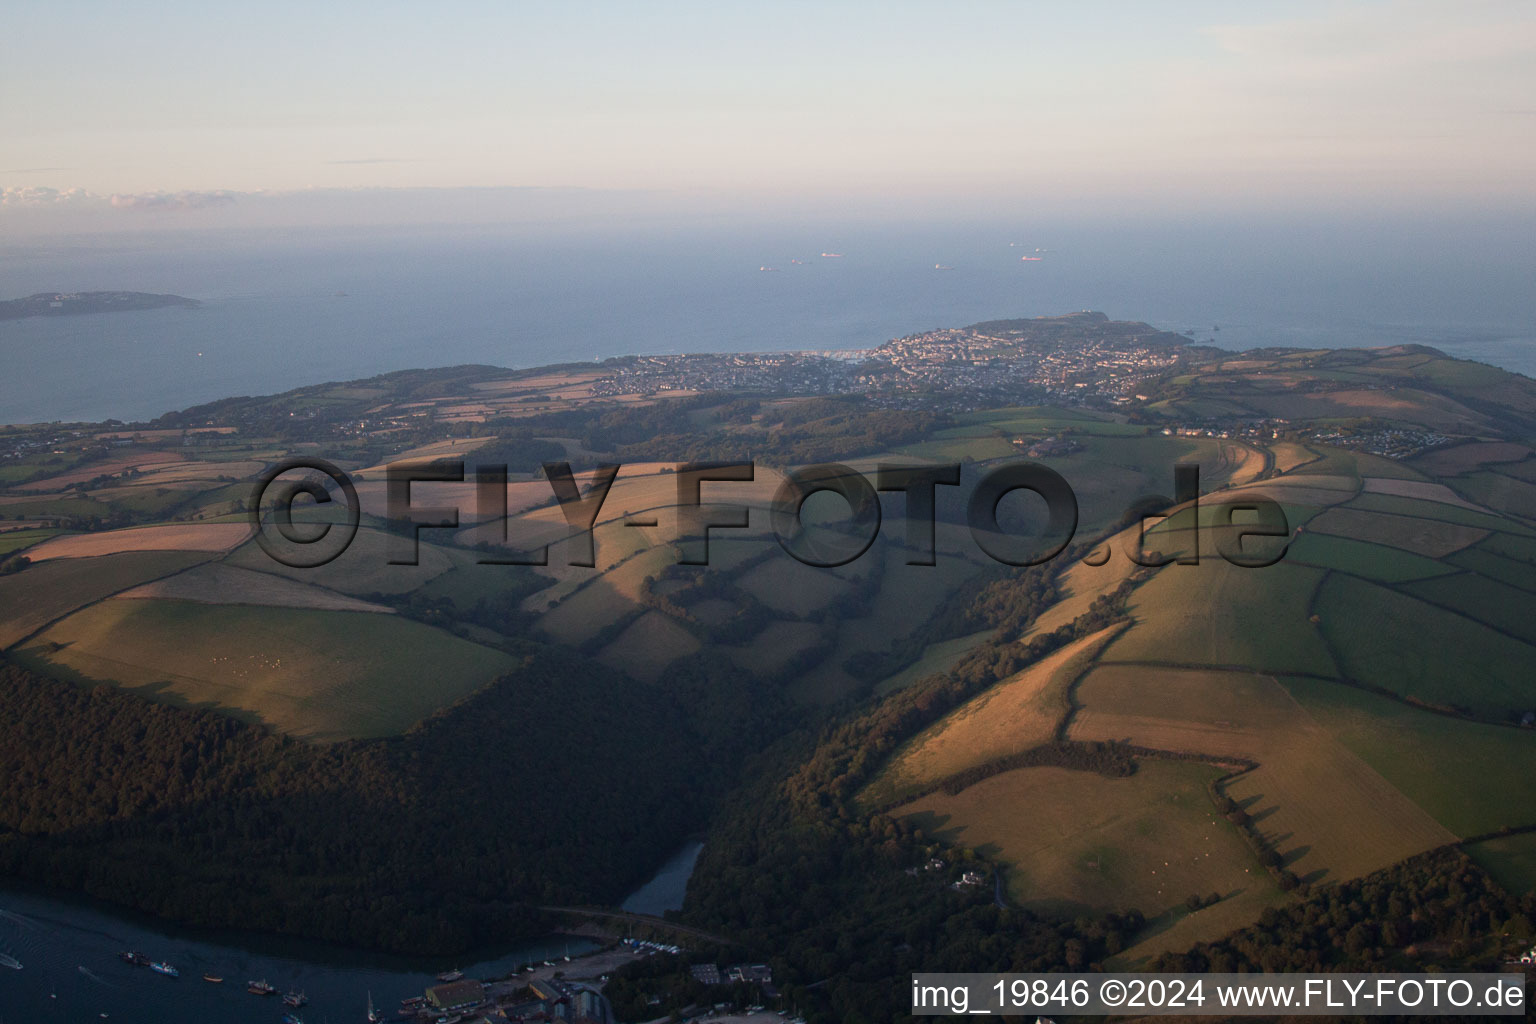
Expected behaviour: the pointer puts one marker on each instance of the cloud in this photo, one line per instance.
(37, 196)
(171, 200)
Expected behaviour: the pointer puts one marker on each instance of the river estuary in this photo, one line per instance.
(71, 973)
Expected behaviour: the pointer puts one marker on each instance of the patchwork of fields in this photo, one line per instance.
(1358, 702)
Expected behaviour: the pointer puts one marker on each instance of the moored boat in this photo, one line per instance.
(295, 999)
(213, 979)
(134, 958)
(260, 988)
(453, 975)
(161, 967)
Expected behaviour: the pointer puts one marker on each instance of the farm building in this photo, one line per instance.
(759, 973)
(456, 995)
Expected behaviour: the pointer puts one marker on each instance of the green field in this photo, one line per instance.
(1359, 558)
(793, 588)
(1496, 567)
(1430, 538)
(1393, 641)
(1327, 813)
(1511, 860)
(648, 646)
(36, 596)
(1473, 778)
(1337, 462)
(147, 500)
(46, 507)
(769, 651)
(12, 541)
(1436, 510)
(1219, 614)
(1525, 470)
(1039, 421)
(600, 599)
(1289, 456)
(1496, 490)
(954, 449)
(1077, 842)
(1503, 607)
(466, 585)
(1109, 474)
(903, 602)
(1362, 464)
(364, 568)
(1512, 546)
(320, 675)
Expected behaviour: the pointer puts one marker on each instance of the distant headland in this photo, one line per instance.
(71, 303)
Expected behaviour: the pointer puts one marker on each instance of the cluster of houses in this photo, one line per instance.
(754, 974)
(969, 878)
(1262, 429)
(468, 1001)
(1391, 442)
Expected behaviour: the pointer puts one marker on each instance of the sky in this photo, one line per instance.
(187, 111)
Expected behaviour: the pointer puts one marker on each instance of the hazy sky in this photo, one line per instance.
(160, 104)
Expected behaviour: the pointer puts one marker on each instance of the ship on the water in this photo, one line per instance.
(161, 967)
(295, 999)
(10, 961)
(260, 988)
(134, 958)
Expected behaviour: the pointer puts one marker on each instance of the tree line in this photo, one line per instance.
(436, 841)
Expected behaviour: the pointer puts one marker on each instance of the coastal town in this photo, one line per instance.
(1081, 359)
(1129, 370)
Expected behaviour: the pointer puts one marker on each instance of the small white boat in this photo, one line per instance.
(10, 961)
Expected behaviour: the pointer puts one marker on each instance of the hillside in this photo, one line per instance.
(1252, 737)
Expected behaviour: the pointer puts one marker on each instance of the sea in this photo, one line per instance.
(284, 308)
